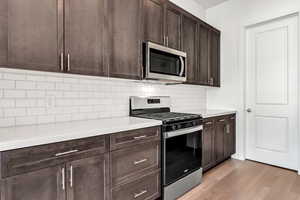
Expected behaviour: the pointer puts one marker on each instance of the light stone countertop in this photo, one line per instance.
(206, 113)
(27, 136)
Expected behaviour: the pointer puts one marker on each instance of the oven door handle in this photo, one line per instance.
(184, 131)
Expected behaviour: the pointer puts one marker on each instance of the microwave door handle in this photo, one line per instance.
(182, 66)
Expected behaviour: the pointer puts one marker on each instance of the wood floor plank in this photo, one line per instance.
(246, 180)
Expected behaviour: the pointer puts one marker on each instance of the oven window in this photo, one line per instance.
(164, 63)
(183, 156)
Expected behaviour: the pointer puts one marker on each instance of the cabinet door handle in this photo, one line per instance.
(66, 153)
(62, 62)
(208, 123)
(69, 60)
(167, 41)
(140, 161)
(136, 195)
(63, 177)
(71, 176)
(140, 137)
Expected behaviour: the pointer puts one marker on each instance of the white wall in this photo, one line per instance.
(231, 17)
(192, 6)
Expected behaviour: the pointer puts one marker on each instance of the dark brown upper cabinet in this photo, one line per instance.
(85, 34)
(60, 35)
(214, 58)
(126, 39)
(173, 26)
(31, 34)
(203, 64)
(154, 17)
(189, 45)
(43, 184)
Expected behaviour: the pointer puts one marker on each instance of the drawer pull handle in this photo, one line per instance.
(208, 123)
(232, 118)
(140, 161)
(66, 153)
(63, 176)
(140, 137)
(222, 120)
(136, 195)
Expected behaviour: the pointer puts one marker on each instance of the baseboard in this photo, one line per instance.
(238, 157)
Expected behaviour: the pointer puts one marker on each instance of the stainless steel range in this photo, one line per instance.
(181, 144)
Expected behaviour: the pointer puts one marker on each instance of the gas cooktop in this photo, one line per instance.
(168, 117)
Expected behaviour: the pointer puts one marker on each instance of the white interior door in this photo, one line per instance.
(272, 51)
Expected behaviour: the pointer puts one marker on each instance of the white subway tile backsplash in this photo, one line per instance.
(27, 120)
(14, 93)
(26, 85)
(7, 103)
(14, 112)
(28, 97)
(7, 84)
(9, 121)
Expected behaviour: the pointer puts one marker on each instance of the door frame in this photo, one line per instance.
(243, 62)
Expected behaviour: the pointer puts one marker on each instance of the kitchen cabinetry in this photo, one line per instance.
(154, 17)
(135, 161)
(104, 37)
(31, 34)
(162, 23)
(60, 35)
(85, 34)
(126, 39)
(173, 26)
(207, 69)
(218, 140)
(85, 169)
(43, 184)
(189, 45)
(214, 58)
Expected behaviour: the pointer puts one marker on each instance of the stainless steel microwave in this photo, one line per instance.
(163, 63)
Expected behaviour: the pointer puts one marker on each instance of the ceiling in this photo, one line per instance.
(210, 3)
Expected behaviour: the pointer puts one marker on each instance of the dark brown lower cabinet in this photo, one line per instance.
(45, 184)
(85, 169)
(218, 140)
(208, 144)
(88, 178)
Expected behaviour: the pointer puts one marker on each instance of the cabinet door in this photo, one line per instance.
(31, 34)
(87, 179)
(45, 184)
(85, 36)
(203, 60)
(154, 17)
(214, 58)
(173, 26)
(219, 139)
(126, 39)
(208, 159)
(229, 137)
(189, 45)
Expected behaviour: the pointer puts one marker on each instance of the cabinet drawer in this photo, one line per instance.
(134, 161)
(24, 160)
(145, 188)
(129, 138)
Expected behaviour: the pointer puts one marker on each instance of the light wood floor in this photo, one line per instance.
(246, 180)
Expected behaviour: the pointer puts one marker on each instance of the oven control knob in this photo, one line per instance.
(178, 126)
(173, 127)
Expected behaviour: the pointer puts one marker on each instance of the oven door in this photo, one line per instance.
(182, 153)
(163, 63)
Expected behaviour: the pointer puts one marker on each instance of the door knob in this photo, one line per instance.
(249, 110)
